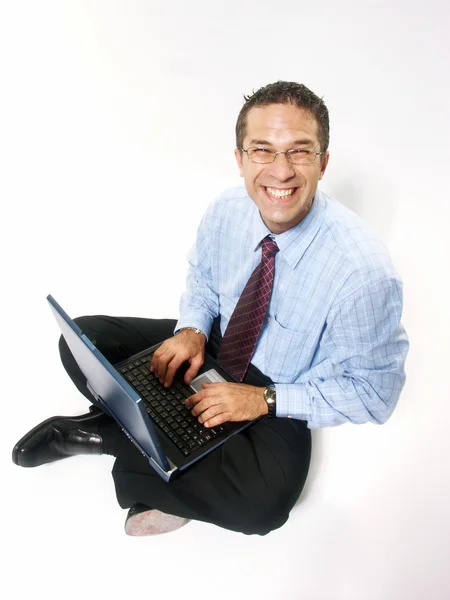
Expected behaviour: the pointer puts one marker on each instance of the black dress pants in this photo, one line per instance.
(249, 484)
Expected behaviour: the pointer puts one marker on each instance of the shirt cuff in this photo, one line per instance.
(293, 401)
(197, 320)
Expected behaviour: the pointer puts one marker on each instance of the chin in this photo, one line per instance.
(280, 223)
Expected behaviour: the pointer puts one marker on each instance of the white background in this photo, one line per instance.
(95, 99)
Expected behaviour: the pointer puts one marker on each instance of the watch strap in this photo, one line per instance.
(270, 396)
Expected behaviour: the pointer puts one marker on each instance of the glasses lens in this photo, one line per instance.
(302, 156)
(260, 155)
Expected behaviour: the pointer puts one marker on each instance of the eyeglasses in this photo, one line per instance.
(297, 156)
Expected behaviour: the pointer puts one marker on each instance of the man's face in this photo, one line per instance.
(281, 127)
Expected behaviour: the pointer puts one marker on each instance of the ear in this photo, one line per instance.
(238, 155)
(323, 166)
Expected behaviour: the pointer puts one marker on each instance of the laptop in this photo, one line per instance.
(154, 418)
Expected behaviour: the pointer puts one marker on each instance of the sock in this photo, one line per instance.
(113, 438)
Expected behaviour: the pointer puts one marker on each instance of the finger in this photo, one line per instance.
(194, 403)
(154, 361)
(218, 419)
(205, 403)
(215, 387)
(210, 412)
(192, 400)
(198, 396)
(161, 365)
(196, 363)
(172, 368)
(157, 355)
(165, 365)
(207, 397)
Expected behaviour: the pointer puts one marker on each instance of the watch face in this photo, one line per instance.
(269, 395)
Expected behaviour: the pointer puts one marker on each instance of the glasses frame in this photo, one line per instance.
(288, 155)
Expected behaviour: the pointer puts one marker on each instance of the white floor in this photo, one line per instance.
(371, 524)
(96, 97)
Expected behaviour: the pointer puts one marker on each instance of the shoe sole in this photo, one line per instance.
(153, 522)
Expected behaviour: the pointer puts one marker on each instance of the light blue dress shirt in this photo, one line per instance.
(332, 341)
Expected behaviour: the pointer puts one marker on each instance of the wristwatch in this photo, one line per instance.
(270, 396)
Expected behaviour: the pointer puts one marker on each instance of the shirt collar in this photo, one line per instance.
(294, 242)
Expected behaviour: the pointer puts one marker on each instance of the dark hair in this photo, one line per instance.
(286, 92)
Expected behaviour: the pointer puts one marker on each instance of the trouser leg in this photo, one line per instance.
(249, 484)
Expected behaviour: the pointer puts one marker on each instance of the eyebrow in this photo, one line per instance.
(303, 142)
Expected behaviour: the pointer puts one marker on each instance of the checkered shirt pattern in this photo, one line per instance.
(332, 341)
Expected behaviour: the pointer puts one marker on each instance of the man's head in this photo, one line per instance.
(277, 118)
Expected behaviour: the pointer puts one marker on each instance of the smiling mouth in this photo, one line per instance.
(278, 194)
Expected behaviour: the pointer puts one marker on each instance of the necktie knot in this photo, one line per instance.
(269, 247)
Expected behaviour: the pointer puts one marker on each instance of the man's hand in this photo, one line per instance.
(221, 402)
(186, 345)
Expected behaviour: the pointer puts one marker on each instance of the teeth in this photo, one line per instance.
(280, 193)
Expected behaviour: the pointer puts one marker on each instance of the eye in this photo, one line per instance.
(259, 151)
(260, 155)
(301, 151)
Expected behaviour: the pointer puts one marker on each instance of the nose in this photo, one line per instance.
(281, 168)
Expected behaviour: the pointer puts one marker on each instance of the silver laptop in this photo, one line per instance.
(153, 417)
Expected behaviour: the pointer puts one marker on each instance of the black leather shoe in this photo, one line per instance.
(60, 437)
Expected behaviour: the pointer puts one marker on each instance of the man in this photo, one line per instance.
(285, 277)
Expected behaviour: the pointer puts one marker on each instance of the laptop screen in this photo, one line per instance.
(110, 389)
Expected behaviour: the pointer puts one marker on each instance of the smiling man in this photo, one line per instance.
(295, 296)
(283, 188)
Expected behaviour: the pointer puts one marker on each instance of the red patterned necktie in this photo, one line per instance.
(244, 327)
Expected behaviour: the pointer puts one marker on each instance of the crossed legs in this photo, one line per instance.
(249, 484)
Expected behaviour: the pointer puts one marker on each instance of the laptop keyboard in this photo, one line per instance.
(167, 409)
